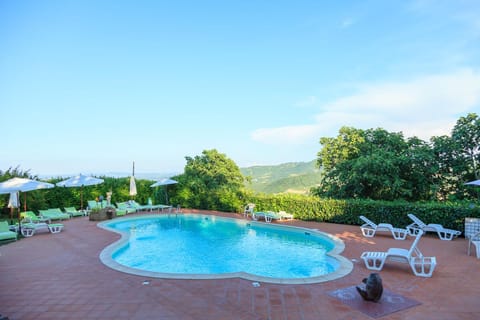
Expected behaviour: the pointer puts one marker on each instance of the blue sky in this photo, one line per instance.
(90, 86)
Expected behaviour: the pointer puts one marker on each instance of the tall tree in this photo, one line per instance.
(375, 164)
(450, 165)
(211, 181)
(466, 134)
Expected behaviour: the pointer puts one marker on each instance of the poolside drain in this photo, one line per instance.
(256, 284)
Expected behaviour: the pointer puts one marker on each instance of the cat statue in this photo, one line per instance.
(373, 288)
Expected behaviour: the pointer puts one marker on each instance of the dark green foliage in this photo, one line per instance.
(60, 197)
(210, 181)
(450, 215)
(466, 135)
(380, 165)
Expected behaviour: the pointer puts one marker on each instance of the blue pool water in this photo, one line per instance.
(203, 244)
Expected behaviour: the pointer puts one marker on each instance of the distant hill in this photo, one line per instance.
(292, 177)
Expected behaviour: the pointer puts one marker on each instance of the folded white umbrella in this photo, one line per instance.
(13, 200)
(133, 187)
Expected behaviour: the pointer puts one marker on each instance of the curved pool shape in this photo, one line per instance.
(193, 246)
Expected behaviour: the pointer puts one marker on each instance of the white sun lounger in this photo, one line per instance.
(443, 233)
(29, 228)
(285, 216)
(369, 228)
(420, 265)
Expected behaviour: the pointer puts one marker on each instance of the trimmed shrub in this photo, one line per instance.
(450, 215)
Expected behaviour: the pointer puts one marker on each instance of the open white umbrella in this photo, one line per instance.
(23, 185)
(164, 182)
(473, 183)
(16, 185)
(80, 181)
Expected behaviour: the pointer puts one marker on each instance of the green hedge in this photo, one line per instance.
(309, 208)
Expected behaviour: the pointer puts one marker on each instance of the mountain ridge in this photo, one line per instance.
(290, 177)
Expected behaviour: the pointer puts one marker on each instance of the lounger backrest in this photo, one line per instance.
(249, 208)
(414, 248)
(419, 222)
(28, 214)
(472, 227)
(4, 226)
(92, 204)
(368, 221)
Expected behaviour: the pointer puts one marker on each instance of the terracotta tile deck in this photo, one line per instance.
(60, 276)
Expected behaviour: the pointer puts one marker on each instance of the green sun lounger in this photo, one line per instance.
(124, 206)
(73, 212)
(5, 233)
(54, 214)
(32, 217)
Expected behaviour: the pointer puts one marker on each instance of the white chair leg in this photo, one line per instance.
(368, 232)
(413, 230)
(423, 266)
(444, 235)
(374, 260)
(55, 228)
(28, 232)
(399, 234)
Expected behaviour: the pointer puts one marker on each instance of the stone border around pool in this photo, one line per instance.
(345, 265)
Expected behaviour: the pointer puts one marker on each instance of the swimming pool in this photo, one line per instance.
(193, 246)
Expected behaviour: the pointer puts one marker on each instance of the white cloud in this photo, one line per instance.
(426, 106)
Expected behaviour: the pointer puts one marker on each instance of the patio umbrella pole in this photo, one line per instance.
(19, 223)
(81, 197)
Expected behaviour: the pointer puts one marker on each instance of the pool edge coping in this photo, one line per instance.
(344, 268)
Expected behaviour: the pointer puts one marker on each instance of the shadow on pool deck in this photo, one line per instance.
(60, 276)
